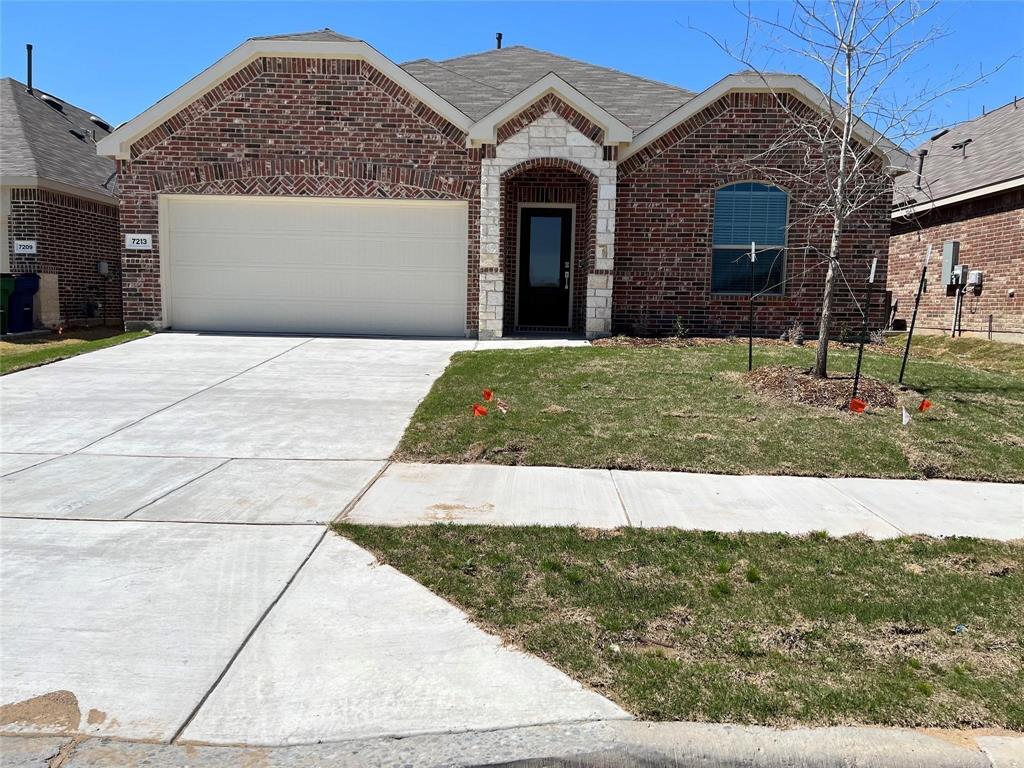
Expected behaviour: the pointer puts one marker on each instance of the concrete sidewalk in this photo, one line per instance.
(415, 494)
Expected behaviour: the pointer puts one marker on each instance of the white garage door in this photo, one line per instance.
(314, 265)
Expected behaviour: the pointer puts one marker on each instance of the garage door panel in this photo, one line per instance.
(316, 265)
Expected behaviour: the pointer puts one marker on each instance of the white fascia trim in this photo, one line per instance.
(118, 144)
(960, 197)
(60, 187)
(485, 130)
(751, 82)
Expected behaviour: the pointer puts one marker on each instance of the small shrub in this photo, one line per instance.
(877, 337)
(795, 334)
(679, 330)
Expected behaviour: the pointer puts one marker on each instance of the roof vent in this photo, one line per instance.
(80, 135)
(940, 134)
(51, 101)
(962, 146)
(99, 123)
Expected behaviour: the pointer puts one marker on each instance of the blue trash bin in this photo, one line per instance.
(21, 303)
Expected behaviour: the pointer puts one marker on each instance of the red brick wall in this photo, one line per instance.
(72, 235)
(663, 243)
(546, 182)
(287, 126)
(991, 235)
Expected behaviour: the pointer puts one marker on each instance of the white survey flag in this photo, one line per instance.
(906, 417)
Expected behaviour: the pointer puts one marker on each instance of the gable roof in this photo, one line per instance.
(323, 43)
(895, 158)
(325, 35)
(479, 83)
(485, 129)
(475, 92)
(37, 143)
(993, 158)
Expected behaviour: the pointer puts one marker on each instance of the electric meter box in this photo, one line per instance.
(960, 273)
(950, 258)
(975, 278)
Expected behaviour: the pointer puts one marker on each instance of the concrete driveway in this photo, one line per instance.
(166, 574)
(249, 429)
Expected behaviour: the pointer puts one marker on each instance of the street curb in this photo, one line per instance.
(601, 744)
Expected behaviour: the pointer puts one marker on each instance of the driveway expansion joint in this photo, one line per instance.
(342, 516)
(189, 397)
(151, 502)
(252, 631)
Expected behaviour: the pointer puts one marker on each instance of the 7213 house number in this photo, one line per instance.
(138, 242)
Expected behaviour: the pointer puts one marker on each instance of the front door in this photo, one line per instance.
(545, 258)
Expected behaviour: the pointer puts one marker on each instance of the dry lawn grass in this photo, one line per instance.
(684, 405)
(758, 628)
(29, 351)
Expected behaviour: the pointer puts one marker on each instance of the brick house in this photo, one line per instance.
(308, 183)
(969, 191)
(60, 195)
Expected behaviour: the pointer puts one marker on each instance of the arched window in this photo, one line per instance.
(747, 213)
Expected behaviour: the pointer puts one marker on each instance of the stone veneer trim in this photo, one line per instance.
(549, 137)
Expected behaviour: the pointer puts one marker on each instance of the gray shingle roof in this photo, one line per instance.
(325, 35)
(480, 82)
(995, 153)
(36, 141)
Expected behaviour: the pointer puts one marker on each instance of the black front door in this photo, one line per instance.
(545, 244)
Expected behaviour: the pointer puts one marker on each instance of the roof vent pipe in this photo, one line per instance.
(497, 37)
(920, 168)
(28, 56)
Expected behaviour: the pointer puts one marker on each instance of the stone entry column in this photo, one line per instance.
(549, 136)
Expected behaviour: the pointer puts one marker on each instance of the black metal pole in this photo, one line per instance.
(913, 322)
(750, 316)
(864, 331)
(960, 312)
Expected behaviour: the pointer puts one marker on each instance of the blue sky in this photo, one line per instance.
(116, 59)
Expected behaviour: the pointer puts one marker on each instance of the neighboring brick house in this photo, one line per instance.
(306, 183)
(57, 192)
(970, 192)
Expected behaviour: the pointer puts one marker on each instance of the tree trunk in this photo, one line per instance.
(825, 324)
(838, 220)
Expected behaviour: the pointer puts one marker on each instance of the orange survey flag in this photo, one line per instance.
(488, 395)
(857, 405)
(479, 410)
(925, 405)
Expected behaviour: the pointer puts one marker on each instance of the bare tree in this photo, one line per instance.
(860, 54)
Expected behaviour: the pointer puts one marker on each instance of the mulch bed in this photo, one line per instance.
(680, 341)
(798, 385)
(699, 341)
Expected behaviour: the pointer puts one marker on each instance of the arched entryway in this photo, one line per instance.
(548, 208)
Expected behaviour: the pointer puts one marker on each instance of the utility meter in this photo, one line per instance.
(975, 278)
